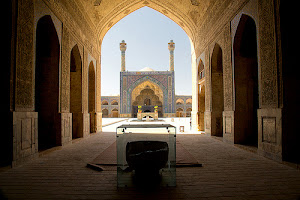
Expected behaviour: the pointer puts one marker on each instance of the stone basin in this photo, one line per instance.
(147, 156)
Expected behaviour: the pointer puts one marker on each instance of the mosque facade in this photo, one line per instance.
(147, 90)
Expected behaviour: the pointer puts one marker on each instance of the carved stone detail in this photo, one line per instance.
(269, 129)
(65, 72)
(24, 57)
(267, 45)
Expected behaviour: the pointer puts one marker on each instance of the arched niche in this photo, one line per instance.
(47, 83)
(217, 91)
(76, 92)
(246, 82)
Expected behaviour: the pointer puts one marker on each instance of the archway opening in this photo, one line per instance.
(217, 92)
(150, 56)
(147, 99)
(201, 107)
(115, 113)
(246, 82)
(290, 81)
(92, 97)
(76, 93)
(179, 112)
(188, 112)
(47, 84)
(201, 96)
(105, 113)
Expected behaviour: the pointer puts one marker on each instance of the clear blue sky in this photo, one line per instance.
(147, 33)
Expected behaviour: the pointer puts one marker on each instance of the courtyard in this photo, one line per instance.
(228, 172)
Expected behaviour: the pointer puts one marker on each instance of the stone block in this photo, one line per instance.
(207, 121)
(66, 128)
(270, 133)
(228, 128)
(25, 137)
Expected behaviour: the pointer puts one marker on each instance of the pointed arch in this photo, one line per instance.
(179, 101)
(76, 92)
(176, 15)
(47, 76)
(217, 91)
(92, 96)
(156, 84)
(200, 70)
(147, 93)
(201, 107)
(104, 102)
(114, 102)
(246, 82)
(105, 113)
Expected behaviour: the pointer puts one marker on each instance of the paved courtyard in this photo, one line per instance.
(228, 172)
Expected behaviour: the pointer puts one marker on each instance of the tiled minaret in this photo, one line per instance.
(171, 46)
(123, 47)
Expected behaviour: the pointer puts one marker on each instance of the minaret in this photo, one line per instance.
(123, 47)
(171, 47)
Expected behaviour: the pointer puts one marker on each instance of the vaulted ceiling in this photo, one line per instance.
(188, 14)
(198, 18)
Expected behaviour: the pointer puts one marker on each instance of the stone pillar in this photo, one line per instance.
(123, 47)
(269, 114)
(171, 47)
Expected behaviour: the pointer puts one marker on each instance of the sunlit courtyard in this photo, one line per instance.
(110, 124)
(227, 172)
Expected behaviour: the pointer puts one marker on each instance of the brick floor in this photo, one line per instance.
(228, 172)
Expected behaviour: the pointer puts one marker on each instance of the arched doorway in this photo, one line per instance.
(115, 113)
(47, 84)
(179, 112)
(147, 102)
(76, 93)
(147, 94)
(217, 92)
(246, 82)
(201, 96)
(201, 107)
(92, 97)
(105, 113)
(188, 112)
(125, 96)
(147, 99)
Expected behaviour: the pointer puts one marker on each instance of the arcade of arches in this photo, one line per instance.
(241, 64)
